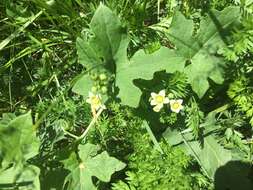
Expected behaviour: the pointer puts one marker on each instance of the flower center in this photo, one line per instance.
(95, 101)
(159, 99)
(176, 105)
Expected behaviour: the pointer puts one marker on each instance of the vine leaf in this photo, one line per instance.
(18, 141)
(87, 56)
(101, 166)
(106, 46)
(83, 85)
(201, 49)
(143, 66)
(24, 177)
(210, 154)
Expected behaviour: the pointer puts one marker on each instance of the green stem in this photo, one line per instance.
(152, 136)
(158, 9)
(93, 121)
(70, 134)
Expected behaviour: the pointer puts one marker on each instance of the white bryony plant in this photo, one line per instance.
(95, 101)
(176, 105)
(158, 100)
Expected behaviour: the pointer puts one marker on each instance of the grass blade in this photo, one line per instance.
(19, 30)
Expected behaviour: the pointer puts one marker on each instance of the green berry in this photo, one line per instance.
(102, 76)
(104, 89)
(94, 89)
(94, 76)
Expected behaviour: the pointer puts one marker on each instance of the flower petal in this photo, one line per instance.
(172, 102)
(162, 93)
(175, 110)
(153, 102)
(158, 107)
(153, 95)
(91, 94)
(180, 101)
(166, 100)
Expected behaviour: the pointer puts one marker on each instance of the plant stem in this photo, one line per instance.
(70, 134)
(158, 10)
(93, 121)
(156, 144)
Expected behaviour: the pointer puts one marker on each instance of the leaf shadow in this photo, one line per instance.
(144, 109)
(53, 179)
(235, 175)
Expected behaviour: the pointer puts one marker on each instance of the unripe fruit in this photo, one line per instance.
(93, 76)
(102, 76)
(94, 89)
(104, 89)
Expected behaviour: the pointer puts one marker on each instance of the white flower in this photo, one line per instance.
(176, 105)
(157, 100)
(95, 101)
